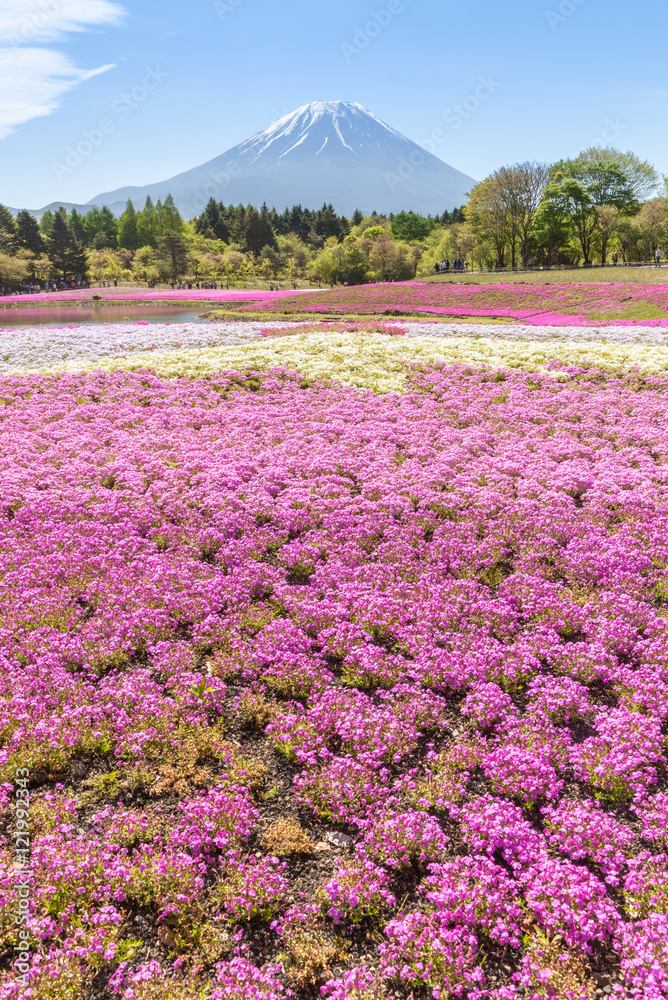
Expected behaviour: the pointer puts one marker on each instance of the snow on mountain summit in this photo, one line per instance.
(325, 151)
(348, 125)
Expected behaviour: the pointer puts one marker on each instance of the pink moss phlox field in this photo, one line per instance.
(534, 304)
(587, 304)
(444, 613)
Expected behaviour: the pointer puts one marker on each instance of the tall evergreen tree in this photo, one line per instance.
(159, 220)
(46, 223)
(101, 220)
(214, 221)
(65, 253)
(172, 221)
(77, 227)
(128, 238)
(257, 230)
(7, 230)
(146, 224)
(28, 236)
(357, 217)
(7, 219)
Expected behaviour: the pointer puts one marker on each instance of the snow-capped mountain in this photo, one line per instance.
(327, 151)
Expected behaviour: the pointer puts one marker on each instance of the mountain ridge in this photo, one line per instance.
(325, 151)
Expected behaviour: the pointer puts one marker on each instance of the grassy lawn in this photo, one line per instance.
(594, 275)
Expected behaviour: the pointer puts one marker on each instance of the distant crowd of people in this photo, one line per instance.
(32, 288)
(188, 285)
(459, 265)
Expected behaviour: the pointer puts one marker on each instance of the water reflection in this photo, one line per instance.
(85, 315)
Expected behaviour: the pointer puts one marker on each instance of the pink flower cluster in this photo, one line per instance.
(585, 304)
(451, 605)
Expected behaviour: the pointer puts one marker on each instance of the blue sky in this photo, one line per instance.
(481, 83)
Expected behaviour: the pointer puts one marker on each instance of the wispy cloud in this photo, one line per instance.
(35, 21)
(33, 80)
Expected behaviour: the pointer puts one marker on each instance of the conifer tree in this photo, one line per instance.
(67, 255)
(7, 230)
(76, 225)
(98, 223)
(257, 230)
(146, 224)
(128, 238)
(172, 221)
(28, 236)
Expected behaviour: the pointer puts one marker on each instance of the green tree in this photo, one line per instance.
(615, 178)
(101, 220)
(521, 188)
(551, 229)
(488, 220)
(7, 230)
(76, 224)
(346, 262)
(257, 230)
(213, 221)
(146, 224)
(571, 200)
(384, 256)
(143, 263)
(357, 217)
(173, 250)
(46, 223)
(128, 237)
(171, 217)
(13, 271)
(651, 225)
(66, 255)
(601, 174)
(28, 235)
(606, 230)
(411, 227)
(6, 219)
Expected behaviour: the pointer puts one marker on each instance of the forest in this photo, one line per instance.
(603, 205)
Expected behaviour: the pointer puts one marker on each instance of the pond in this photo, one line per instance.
(68, 315)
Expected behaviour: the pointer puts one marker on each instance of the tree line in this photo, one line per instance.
(581, 210)
(232, 242)
(603, 202)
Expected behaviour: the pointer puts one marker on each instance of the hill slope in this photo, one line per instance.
(329, 151)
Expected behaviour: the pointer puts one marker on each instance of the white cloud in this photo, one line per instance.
(32, 81)
(27, 22)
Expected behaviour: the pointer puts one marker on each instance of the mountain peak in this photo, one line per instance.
(335, 128)
(324, 151)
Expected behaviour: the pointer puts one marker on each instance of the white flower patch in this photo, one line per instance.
(34, 348)
(356, 358)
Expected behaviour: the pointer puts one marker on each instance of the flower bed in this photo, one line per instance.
(373, 355)
(311, 690)
(542, 304)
